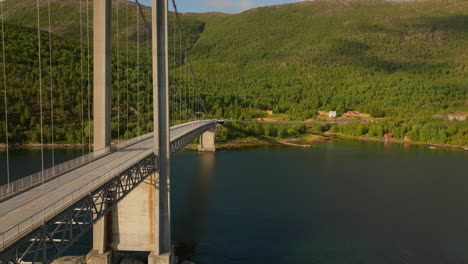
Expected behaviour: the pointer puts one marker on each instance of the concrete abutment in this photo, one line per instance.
(207, 141)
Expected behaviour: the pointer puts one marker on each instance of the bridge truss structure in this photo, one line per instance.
(52, 237)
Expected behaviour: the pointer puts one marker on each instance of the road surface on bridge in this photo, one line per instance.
(32, 202)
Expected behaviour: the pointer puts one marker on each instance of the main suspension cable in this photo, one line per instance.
(118, 74)
(51, 87)
(81, 78)
(143, 16)
(188, 60)
(127, 74)
(40, 104)
(138, 70)
(5, 99)
(148, 83)
(89, 75)
(140, 9)
(174, 73)
(186, 94)
(180, 76)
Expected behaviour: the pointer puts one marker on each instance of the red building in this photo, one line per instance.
(351, 113)
(388, 135)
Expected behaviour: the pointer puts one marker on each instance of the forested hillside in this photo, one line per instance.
(72, 69)
(400, 60)
(380, 57)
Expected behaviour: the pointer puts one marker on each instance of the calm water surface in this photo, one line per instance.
(339, 202)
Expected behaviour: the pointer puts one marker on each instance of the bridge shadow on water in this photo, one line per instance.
(196, 206)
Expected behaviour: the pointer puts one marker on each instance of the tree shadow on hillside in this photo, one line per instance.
(423, 30)
(445, 25)
(451, 24)
(352, 52)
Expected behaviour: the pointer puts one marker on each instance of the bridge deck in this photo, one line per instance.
(29, 205)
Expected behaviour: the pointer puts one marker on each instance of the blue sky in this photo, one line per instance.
(225, 6)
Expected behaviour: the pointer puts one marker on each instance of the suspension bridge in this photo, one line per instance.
(120, 188)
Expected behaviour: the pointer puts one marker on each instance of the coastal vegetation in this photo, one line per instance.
(418, 131)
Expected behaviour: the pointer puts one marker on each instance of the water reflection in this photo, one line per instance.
(339, 202)
(196, 204)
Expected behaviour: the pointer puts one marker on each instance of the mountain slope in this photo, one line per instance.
(382, 57)
(400, 60)
(70, 78)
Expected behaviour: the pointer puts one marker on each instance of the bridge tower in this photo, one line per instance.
(141, 221)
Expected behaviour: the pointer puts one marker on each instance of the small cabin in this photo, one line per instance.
(269, 111)
(388, 135)
(407, 139)
(332, 114)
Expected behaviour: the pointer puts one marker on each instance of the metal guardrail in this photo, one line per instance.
(130, 142)
(32, 179)
(11, 235)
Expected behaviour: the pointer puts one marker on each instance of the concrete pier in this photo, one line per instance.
(135, 221)
(207, 141)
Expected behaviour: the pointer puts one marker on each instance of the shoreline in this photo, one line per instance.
(243, 143)
(302, 141)
(366, 138)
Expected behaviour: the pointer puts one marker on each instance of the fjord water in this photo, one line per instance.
(24, 162)
(339, 202)
(342, 201)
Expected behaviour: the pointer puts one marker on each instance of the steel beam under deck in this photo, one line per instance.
(54, 236)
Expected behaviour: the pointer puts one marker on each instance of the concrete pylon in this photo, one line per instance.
(100, 254)
(141, 221)
(161, 125)
(207, 141)
(102, 74)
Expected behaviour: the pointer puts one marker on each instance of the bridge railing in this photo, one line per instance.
(36, 178)
(32, 179)
(11, 235)
(129, 142)
(193, 123)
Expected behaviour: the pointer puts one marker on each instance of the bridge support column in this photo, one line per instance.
(207, 141)
(102, 114)
(161, 128)
(101, 253)
(102, 74)
(135, 221)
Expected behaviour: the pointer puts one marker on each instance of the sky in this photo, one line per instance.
(225, 6)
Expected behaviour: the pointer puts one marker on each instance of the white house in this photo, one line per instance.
(332, 114)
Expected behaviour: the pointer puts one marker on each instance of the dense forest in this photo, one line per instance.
(385, 58)
(404, 62)
(418, 130)
(72, 73)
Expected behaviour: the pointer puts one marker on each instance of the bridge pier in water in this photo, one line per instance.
(207, 141)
